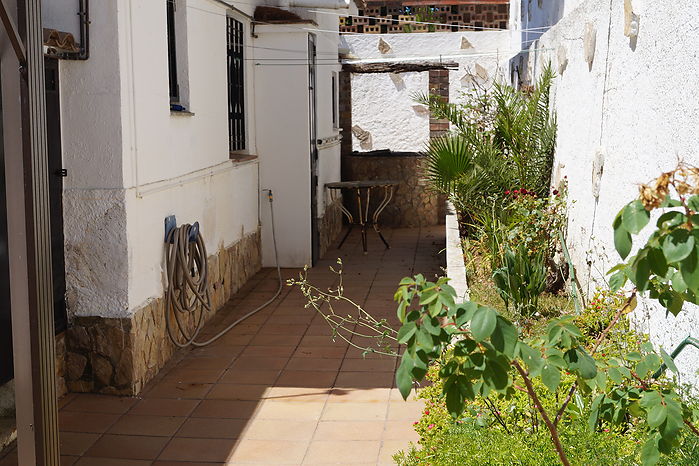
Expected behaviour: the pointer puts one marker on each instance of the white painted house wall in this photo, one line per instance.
(132, 162)
(383, 103)
(637, 106)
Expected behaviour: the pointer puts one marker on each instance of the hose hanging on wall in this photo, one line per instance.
(187, 292)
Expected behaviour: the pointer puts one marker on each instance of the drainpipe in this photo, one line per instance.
(84, 14)
(689, 341)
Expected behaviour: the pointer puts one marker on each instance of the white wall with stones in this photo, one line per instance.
(627, 110)
(383, 104)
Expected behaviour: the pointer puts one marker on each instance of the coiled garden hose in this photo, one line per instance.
(187, 290)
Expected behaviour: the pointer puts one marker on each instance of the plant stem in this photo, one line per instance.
(598, 342)
(551, 427)
(692, 428)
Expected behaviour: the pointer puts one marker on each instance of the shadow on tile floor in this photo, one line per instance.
(275, 389)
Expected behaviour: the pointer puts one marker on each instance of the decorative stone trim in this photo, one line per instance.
(118, 356)
(330, 226)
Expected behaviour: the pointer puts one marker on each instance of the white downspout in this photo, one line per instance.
(325, 4)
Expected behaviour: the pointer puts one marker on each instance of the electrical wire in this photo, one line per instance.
(187, 292)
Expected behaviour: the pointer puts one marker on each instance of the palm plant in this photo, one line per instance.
(501, 139)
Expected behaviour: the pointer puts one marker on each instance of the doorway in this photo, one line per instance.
(313, 124)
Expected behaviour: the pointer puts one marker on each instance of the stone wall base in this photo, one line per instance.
(118, 356)
(330, 226)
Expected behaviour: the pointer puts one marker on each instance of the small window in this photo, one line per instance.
(177, 52)
(334, 97)
(236, 86)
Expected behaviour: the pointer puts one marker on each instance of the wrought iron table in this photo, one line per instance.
(362, 191)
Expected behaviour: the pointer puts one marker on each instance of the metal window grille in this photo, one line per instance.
(171, 51)
(236, 88)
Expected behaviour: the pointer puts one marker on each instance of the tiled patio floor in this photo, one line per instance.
(274, 390)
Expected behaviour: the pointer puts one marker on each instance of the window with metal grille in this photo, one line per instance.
(236, 86)
(172, 51)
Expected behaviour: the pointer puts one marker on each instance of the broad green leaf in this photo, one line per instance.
(634, 356)
(428, 296)
(669, 362)
(634, 217)
(617, 280)
(671, 219)
(455, 399)
(639, 273)
(432, 325)
(551, 376)
(622, 242)
(495, 375)
(579, 361)
(650, 399)
(693, 203)
(678, 283)
(532, 358)
(677, 245)
(689, 268)
(420, 365)
(424, 340)
(483, 323)
(404, 380)
(406, 332)
(594, 412)
(464, 313)
(650, 455)
(504, 337)
(614, 375)
(657, 415)
(658, 264)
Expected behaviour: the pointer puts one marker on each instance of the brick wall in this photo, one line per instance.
(383, 17)
(439, 85)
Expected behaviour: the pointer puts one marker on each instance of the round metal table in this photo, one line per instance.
(362, 190)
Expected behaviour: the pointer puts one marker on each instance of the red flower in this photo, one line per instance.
(507, 192)
(427, 411)
(555, 192)
(516, 191)
(524, 191)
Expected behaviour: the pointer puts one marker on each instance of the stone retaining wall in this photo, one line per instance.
(119, 356)
(413, 203)
(330, 226)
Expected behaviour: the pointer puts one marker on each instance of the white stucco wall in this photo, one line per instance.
(132, 162)
(383, 104)
(637, 106)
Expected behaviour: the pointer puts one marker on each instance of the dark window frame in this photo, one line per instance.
(171, 6)
(235, 35)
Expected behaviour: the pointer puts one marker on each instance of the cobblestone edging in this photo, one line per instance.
(413, 203)
(119, 356)
(330, 226)
(456, 266)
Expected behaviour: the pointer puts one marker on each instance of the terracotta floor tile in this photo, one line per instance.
(322, 379)
(365, 380)
(343, 395)
(269, 351)
(405, 410)
(198, 449)
(322, 341)
(206, 363)
(271, 452)
(314, 364)
(131, 424)
(277, 429)
(254, 377)
(283, 329)
(169, 388)
(186, 463)
(135, 447)
(290, 410)
(354, 411)
(194, 375)
(164, 407)
(212, 428)
(77, 421)
(229, 391)
(349, 430)
(221, 351)
(76, 443)
(235, 409)
(100, 404)
(88, 461)
(348, 451)
(245, 363)
(390, 448)
(297, 394)
(275, 340)
(400, 430)
(368, 365)
(333, 352)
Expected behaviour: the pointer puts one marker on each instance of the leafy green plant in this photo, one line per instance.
(521, 280)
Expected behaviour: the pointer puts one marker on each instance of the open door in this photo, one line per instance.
(6, 363)
(313, 125)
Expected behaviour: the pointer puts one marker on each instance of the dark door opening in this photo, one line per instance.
(6, 363)
(56, 174)
(312, 82)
